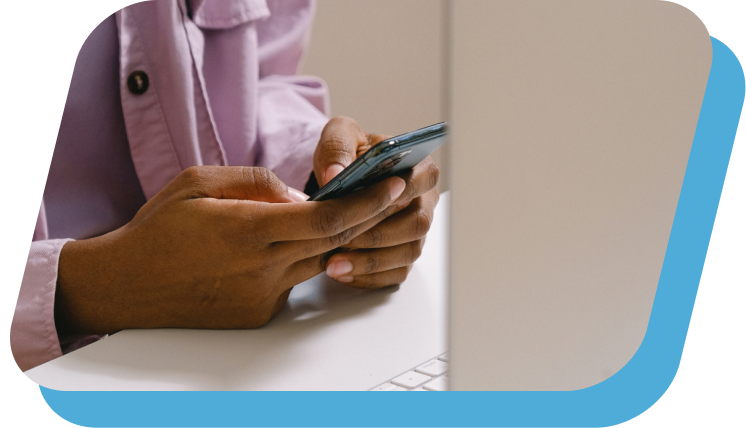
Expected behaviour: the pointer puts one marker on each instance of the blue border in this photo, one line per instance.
(631, 391)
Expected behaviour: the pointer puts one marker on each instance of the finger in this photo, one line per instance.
(377, 280)
(409, 224)
(298, 250)
(311, 220)
(306, 269)
(364, 262)
(233, 182)
(341, 142)
(337, 148)
(420, 180)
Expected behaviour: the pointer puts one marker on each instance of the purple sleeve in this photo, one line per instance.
(33, 335)
(292, 110)
(289, 123)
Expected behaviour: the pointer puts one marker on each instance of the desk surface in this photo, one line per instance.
(328, 337)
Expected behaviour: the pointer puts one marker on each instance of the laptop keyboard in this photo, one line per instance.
(430, 376)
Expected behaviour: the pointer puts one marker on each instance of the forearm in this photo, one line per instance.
(114, 282)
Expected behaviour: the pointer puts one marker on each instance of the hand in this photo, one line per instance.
(219, 247)
(384, 254)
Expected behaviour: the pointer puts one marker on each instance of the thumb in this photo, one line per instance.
(338, 147)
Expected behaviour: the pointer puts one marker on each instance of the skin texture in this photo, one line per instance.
(219, 247)
(222, 247)
(384, 254)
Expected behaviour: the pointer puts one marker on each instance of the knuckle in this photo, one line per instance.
(422, 223)
(265, 181)
(433, 174)
(193, 172)
(192, 181)
(194, 175)
(342, 238)
(414, 250)
(329, 220)
(372, 264)
(335, 147)
(373, 238)
(334, 140)
(383, 215)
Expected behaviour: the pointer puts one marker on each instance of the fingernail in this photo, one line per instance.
(397, 188)
(345, 279)
(332, 172)
(338, 268)
(297, 195)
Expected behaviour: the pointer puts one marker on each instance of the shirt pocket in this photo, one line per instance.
(222, 14)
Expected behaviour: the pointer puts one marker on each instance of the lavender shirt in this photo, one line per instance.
(222, 91)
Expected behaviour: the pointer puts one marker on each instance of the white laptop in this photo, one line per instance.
(567, 160)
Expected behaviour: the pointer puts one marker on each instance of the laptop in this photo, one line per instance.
(567, 158)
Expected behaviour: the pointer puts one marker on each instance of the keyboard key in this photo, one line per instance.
(444, 357)
(410, 379)
(439, 384)
(385, 387)
(433, 368)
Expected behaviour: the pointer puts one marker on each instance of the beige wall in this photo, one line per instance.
(570, 138)
(384, 62)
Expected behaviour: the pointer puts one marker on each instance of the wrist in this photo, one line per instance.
(80, 302)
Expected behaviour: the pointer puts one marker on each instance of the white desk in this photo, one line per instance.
(328, 337)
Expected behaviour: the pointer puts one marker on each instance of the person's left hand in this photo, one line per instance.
(383, 255)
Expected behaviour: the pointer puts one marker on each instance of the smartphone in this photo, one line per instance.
(390, 157)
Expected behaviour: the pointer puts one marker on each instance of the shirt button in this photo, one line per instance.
(138, 82)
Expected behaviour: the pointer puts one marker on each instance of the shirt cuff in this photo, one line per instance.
(33, 334)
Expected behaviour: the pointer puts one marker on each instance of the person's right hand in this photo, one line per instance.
(216, 248)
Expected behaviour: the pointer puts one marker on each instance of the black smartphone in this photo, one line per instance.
(389, 157)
